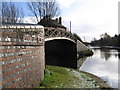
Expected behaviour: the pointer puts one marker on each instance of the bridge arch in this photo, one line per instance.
(58, 38)
(61, 52)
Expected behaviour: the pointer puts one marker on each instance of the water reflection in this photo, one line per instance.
(119, 54)
(104, 63)
(80, 61)
(107, 54)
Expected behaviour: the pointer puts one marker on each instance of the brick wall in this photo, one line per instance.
(22, 61)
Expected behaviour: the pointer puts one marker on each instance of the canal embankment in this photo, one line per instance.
(83, 50)
(60, 77)
(85, 53)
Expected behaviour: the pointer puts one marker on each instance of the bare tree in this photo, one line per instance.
(44, 7)
(11, 13)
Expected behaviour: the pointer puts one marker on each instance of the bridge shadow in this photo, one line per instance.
(61, 52)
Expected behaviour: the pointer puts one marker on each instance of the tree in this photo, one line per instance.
(41, 9)
(11, 13)
(77, 37)
(105, 36)
(106, 40)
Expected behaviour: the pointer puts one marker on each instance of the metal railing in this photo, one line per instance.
(58, 32)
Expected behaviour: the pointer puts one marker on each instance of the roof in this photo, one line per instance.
(48, 22)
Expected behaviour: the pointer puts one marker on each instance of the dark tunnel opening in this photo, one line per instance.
(61, 52)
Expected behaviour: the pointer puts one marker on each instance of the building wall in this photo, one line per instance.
(21, 56)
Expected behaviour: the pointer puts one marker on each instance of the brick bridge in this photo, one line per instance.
(25, 48)
(61, 46)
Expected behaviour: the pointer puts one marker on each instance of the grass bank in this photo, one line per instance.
(59, 77)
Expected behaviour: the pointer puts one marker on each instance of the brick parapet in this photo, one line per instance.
(22, 61)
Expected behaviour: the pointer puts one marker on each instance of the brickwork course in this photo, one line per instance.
(22, 61)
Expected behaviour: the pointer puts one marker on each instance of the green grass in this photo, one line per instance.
(56, 77)
(46, 80)
(59, 77)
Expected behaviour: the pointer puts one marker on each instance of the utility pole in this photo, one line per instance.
(84, 38)
(70, 26)
(46, 11)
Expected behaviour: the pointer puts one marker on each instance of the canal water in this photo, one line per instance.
(104, 64)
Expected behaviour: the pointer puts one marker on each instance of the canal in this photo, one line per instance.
(104, 64)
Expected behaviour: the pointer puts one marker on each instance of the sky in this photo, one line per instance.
(89, 18)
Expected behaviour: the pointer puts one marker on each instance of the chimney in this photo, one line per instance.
(56, 20)
(60, 20)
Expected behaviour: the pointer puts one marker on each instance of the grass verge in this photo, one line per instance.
(59, 77)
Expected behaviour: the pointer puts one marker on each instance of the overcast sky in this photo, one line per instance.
(90, 18)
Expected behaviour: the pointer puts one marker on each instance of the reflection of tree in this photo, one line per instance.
(105, 54)
(119, 54)
(95, 49)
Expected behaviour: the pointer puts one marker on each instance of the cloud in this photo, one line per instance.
(65, 3)
(101, 68)
(30, 19)
(92, 16)
(89, 18)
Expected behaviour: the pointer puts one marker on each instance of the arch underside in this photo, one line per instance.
(60, 52)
